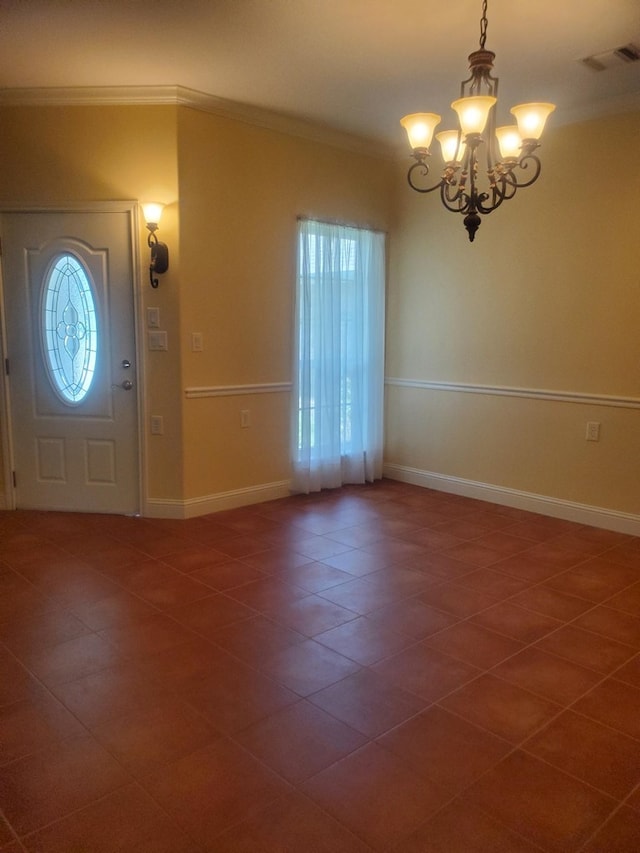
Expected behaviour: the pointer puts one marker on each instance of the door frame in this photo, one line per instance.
(131, 208)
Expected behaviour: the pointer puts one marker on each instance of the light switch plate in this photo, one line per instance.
(158, 341)
(153, 318)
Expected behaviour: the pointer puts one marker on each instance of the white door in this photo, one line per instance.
(69, 318)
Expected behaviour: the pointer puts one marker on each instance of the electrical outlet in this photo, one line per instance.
(245, 418)
(157, 425)
(593, 431)
(196, 342)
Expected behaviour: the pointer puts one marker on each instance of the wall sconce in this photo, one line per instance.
(159, 251)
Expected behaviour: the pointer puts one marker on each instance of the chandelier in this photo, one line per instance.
(510, 159)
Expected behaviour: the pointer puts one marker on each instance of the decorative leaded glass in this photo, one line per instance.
(69, 327)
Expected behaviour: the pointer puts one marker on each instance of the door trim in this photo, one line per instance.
(131, 208)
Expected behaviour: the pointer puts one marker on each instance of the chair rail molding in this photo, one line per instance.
(612, 401)
(237, 390)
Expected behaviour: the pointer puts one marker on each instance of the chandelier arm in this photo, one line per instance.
(423, 170)
(504, 185)
(523, 164)
(499, 193)
(456, 203)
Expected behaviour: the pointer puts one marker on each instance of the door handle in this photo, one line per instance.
(127, 384)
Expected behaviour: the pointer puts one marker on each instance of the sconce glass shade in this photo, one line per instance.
(452, 146)
(152, 212)
(531, 118)
(510, 142)
(420, 127)
(473, 112)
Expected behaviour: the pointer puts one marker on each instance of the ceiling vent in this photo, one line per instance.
(612, 58)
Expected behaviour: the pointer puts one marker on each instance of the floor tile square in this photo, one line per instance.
(55, 781)
(615, 704)
(611, 623)
(232, 697)
(547, 806)
(628, 601)
(502, 709)
(375, 796)
(252, 640)
(619, 835)
(35, 722)
(72, 659)
(368, 702)
(146, 740)
(456, 599)
(363, 640)
(292, 824)
(308, 667)
(126, 819)
(506, 618)
(412, 618)
(214, 788)
(550, 602)
(109, 693)
(589, 650)
(547, 675)
(312, 614)
(445, 748)
(427, 672)
(206, 615)
(596, 754)
(299, 740)
(474, 644)
(462, 828)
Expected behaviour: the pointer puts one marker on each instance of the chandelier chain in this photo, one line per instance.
(483, 25)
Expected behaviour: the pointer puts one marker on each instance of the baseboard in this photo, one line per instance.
(582, 513)
(193, 507)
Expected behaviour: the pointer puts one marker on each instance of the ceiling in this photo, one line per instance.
(355, 65)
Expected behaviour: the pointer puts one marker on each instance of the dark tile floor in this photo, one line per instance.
(374, 668)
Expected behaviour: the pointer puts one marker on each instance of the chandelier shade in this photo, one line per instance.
(473, 112)
(451, 145)
(532, 118)
(508, 151)
(420, 127)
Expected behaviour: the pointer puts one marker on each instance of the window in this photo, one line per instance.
(69, 329)
(339, 356)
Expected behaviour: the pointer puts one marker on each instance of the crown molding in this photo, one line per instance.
(81, 96)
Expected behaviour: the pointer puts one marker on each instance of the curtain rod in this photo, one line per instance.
(341, 223)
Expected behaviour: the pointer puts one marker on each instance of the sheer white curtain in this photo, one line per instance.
(338, 357)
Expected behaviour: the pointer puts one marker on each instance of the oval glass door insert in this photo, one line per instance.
(69, 327)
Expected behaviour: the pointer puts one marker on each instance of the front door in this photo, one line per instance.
(69, 317)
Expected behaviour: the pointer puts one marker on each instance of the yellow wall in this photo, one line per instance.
(63, 155)
(233, 192)
(546, 298)
(241, 189)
